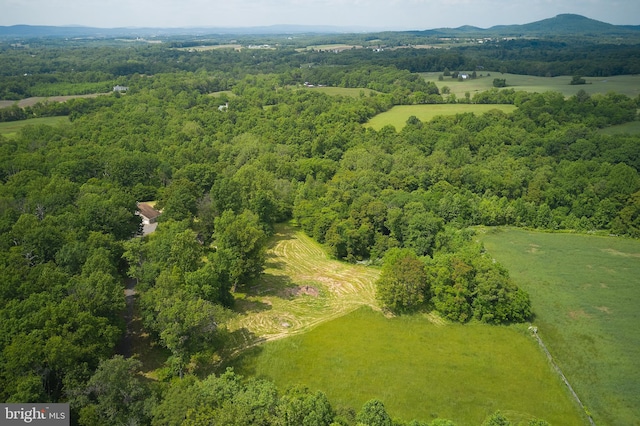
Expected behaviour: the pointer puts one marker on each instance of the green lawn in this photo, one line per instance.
(398, 115)
(584, 291)
(419, 369)
(625, 84)
(11, 128)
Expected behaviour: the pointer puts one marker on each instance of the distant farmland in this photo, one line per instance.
(398, 115)
(11, 128)
(625, 84)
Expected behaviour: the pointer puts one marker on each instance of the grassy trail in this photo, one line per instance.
(300, 288)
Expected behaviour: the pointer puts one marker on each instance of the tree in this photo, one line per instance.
(373, 413)
(496, 419)
(114, 395)
(298, 406)
(577, 79)
(499, 82)
(241, 241)
(402, 286)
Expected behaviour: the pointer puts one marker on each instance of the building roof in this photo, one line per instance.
(147, 211)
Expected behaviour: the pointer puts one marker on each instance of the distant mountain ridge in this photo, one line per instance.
(564, 24)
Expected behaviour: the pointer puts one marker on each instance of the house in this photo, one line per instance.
(224, 107)
(149, 217)
(119, 88)
(148, 213)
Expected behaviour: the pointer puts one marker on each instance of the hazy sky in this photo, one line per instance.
(374, 14)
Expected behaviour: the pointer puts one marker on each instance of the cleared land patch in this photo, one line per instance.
(398, 115)
(420, 370)
(584, 290)
(632, 128)
(11, 128)
(342, 91)
(626, 84)
(300, 288)
(34, 100)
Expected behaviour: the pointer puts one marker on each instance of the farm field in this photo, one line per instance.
(34, 100)
(398, 115)
(420, 369)
(632, 128)
(626, 84)
(342, 91)
(331, 47)
(10, 128)
(300, 288)
(584, 291)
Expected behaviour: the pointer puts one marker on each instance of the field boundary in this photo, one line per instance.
(534, 331)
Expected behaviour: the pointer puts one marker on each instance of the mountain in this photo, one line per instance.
(26, 31)
(564, 24)
(561, 25)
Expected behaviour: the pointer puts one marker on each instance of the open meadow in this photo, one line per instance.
(10, 128)
(398, 115)
(419, 369)
(342, 91)
(625, 84)
(584, 291)
(419, 366)
(301, 287)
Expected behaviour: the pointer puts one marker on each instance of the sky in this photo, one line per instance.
(368, 14)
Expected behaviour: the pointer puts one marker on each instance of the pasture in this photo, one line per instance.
(11, 128)
(584, 291)
(322, 329)
(419, 369)
(35, 99)
(625, 84)
(398, 115)
(632, 128)
(342, 91)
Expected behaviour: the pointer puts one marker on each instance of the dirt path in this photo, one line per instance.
(125, 346)
(301, 287)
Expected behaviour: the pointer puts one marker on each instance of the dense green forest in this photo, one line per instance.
(275, 152)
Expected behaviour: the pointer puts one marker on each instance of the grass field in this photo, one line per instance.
(625, 84)
(343, 91)
(419, 366)
(300, 288)
(11, 128)
(420, 370)
(584, 291)
(398, 115)
(34, 100)
(632, 128)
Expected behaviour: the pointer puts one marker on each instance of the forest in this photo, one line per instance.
(404, 201)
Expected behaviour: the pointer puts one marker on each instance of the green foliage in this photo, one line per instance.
(499, 82)
(402, 286)
(577, 79)
(114, 395)
(241, 243)
(468, 284)
(373, 413)
(224, 178)
(496, 419)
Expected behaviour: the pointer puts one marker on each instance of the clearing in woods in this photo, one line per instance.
(300, 288)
